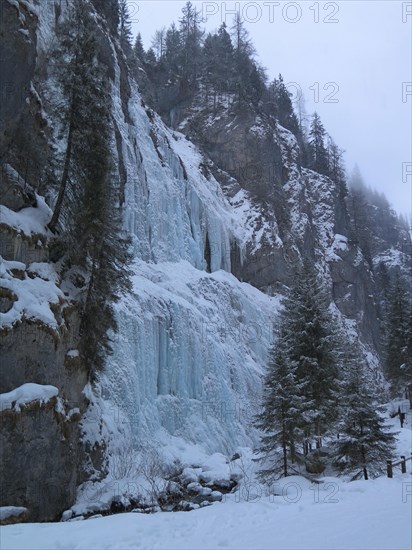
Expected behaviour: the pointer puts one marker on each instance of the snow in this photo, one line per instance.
(7, 512)
(27, 393)
(391, 258)
(44, 270)
(34, 296)
(28, 221)
(189, 359)
(293, 513)
(368, 515)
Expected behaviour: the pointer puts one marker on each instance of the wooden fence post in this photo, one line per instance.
(389, 468)
(403, 464)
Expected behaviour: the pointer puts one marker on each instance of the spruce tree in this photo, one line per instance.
(336, 171)
(317, 149)
(302, 382)
(361, 231)
(138, 48)
(125, 27)
(365, 442)
(313, 348)
(218, 63)
(78, 74)
(191, 39)
(279, 419)
(281, 103)
(91, 225)
(398, 338)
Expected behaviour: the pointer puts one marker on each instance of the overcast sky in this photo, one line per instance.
(352, 60)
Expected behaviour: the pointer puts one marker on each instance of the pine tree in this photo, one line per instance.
(301, 386)
(125, 27)
(191, 39)
(361, 231)
(225, 54)
(364, 442)
(218, 63)
(279, 418)
(313, 349)
(248, 83)
(151, 57)
(159, 43)
(138, 48)
(336, 171)
(317, 149)
(398, 339)
(78, 74)
(241, 39)
(281, 103)
(91, 229)
(173, 55)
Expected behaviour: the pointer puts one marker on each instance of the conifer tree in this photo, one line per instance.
(218, 62)
(302, 382)
(248, 82)
(361, 231)
(138, 48)
(173, 50)
(398, 339)
(365, 442)
(91, 229)
(240, 37)
(151, 57)
(191, 52)
(78, 75)
(279, 419)
(336, 171)
(281, 103)
(313, 348)
(125, 27)
(317, 149)
(159, 43)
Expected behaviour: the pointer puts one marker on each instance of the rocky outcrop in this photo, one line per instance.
(40, 460)
(18, 60)
(292, 211)
(43, 455)
(15, 193)
(41, 452)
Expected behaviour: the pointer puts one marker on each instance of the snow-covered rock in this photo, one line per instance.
(25, 394)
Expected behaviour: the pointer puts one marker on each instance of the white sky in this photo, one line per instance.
(365, 54)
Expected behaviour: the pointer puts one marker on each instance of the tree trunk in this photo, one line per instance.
(363, 455)
(65, 176)
(284, 449)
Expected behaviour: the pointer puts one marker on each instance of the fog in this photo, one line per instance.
(350, 59)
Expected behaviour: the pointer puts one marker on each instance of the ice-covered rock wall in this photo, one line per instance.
(193, 340)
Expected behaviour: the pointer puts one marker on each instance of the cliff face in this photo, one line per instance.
(292, 211)
(215, 224)
(43, 458)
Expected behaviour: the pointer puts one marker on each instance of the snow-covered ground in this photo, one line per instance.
(361, 514)
(335, 514)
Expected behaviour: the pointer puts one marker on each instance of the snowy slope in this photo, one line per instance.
(360, 515)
